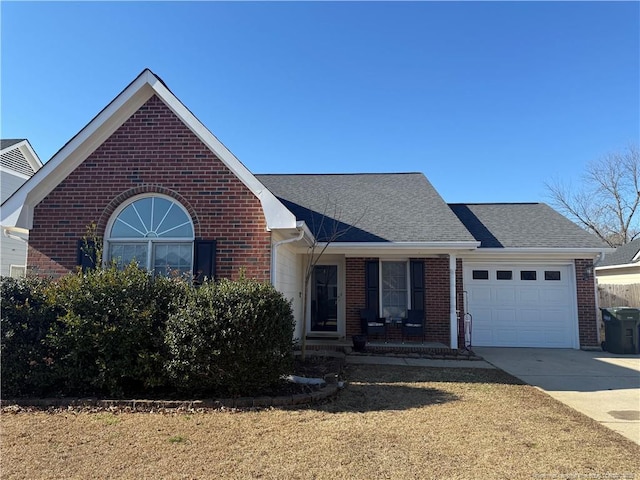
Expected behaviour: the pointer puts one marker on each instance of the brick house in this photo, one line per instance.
(163, 190)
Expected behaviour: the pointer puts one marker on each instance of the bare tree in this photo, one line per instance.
(607, 201)
(327, 228)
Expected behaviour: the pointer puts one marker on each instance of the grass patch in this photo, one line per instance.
(390, 422)
(178, 439)
(107, 418)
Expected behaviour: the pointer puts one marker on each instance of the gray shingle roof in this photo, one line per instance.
(622, 255)
(7, 142)
(532, 225)
(385, 207)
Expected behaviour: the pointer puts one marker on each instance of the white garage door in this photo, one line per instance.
(521, 305)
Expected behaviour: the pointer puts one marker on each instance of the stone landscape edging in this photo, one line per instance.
(324, 393)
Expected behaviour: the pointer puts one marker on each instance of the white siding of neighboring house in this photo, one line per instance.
(12, 251)
(619, 276)
(288, 280)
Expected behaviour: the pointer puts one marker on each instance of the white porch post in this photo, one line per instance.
(452, 303)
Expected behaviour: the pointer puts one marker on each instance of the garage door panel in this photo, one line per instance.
(506, 336)
(504, 296)
(480, 295)
(527, 313)
(529, 317)
(531, 337)
(554, 296)
(504, 316)
(483, 337)
(528, 296)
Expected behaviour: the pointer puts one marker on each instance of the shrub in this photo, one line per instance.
(24, 325)
(230, 337)
(109, 335)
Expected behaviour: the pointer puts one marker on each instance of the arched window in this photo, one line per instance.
(155, 231)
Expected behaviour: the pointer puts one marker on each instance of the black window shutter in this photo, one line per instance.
(372, 280)
(86, 254)
(204, 260)
(417, 284)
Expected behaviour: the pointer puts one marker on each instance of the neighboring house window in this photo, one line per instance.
(394, 289)
(17, 271)
(154, 231)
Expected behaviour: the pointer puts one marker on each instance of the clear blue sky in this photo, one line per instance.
(489, 100)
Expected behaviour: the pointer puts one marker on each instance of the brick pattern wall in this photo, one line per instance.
(355, 293)
(587, 315)
(436, 299)
(153, 151)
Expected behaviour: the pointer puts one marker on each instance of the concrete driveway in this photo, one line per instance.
(601, 385)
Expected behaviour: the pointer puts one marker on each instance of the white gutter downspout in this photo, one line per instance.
(16, 233)
(452, 303)
(274, 252)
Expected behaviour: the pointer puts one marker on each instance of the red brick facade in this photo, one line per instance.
(437, 297)
(153, 151)
(586, 293)
(355, 293)
(437, 288)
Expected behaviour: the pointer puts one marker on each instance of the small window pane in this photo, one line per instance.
(481, 274)
(394, 289)
(552, 275)
(504, 275)
(172, 258)
(161, 209)
(528, 275)
(125, 253)
(128, 225)
(144, 208)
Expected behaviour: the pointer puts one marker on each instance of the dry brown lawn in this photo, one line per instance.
(390, 422)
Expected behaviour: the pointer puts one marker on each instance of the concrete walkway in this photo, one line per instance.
(601, 385)
(415, 362)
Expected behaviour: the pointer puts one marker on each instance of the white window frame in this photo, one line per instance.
(17, 271)
(149, 241)
(407, 277)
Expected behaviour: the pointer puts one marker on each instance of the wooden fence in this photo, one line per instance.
(619, 295)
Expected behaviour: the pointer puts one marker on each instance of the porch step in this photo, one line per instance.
(426, 349)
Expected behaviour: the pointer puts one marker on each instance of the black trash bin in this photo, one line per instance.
(621, 329)
(359, 343)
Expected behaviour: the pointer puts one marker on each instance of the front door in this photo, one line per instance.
(324, 299)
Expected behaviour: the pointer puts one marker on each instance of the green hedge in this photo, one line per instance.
(109, 336)
(118, 332)
(25, 323)
(230, 337)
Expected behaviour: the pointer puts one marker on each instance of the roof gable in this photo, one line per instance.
(523, 225)
(375, 207)
(16, 155)
(17, 211)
